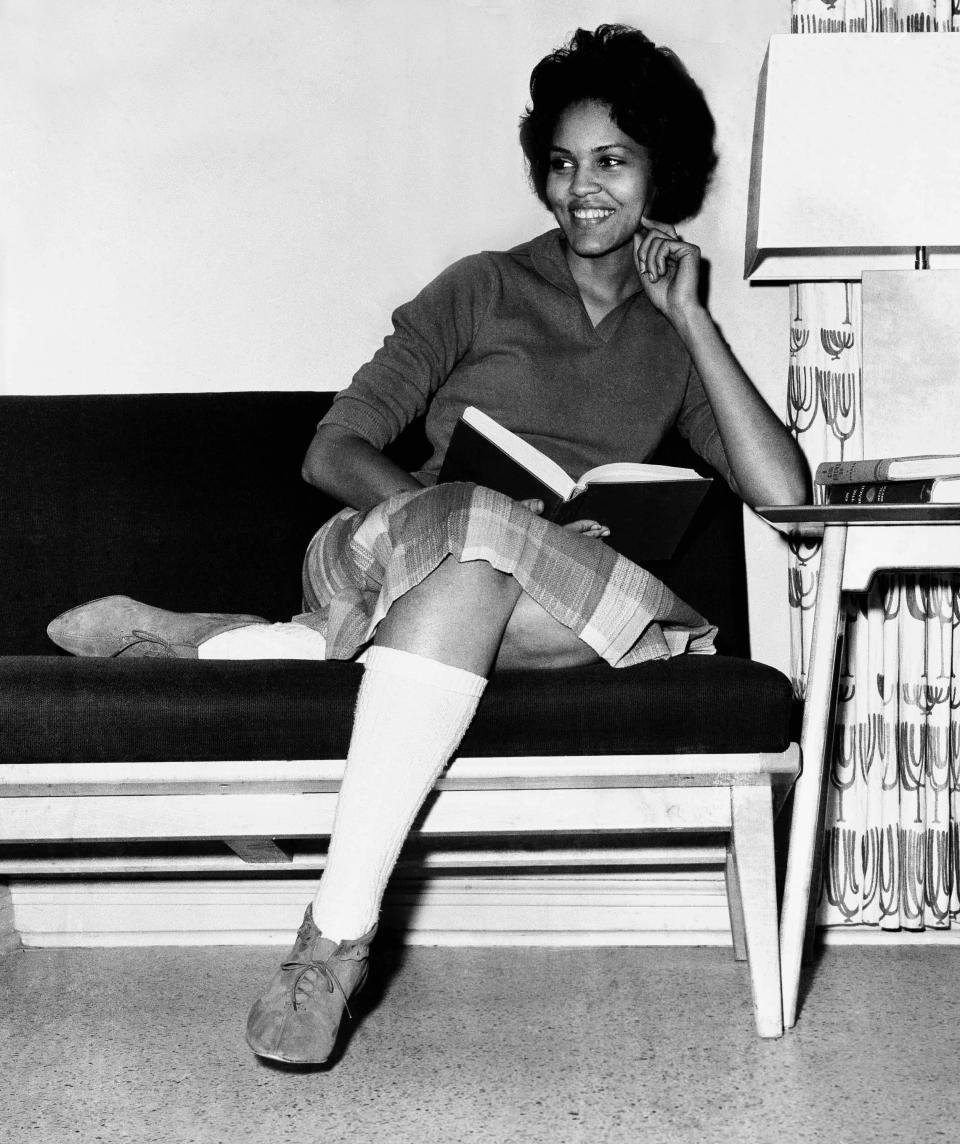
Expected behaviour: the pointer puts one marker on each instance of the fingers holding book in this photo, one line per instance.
(589, 528)
(534, 505)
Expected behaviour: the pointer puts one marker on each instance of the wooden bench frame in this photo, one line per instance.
(251, 805)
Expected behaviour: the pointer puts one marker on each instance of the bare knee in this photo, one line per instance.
(456, 615)
(534, 639)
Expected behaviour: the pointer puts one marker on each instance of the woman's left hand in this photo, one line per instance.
(590, 528)
(669, 268)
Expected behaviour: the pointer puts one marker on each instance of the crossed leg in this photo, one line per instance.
(422, 683)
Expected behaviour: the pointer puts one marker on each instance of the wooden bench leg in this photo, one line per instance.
(9, 938)
(735, 905)
(752, 808)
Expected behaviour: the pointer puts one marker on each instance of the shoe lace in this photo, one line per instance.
(321, 969)
(148, 637)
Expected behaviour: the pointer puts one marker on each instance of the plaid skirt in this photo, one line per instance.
(359, 563)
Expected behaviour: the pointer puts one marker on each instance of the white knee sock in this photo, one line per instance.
(411, 714)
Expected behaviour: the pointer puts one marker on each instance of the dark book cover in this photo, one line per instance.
(879, 492)
(646, 518)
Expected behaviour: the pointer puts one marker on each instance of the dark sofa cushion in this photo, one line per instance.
(64, 709)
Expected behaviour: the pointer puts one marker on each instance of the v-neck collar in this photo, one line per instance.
(550, 261)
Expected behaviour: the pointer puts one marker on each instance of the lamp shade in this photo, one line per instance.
(856, 155)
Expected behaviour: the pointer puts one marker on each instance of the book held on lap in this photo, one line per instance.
(646, 507)
(888, 469)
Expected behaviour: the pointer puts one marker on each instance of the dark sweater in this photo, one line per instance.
(509, 333)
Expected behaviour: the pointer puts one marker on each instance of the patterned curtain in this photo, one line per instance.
(891, 854)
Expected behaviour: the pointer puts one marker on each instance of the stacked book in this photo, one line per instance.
(930, 479)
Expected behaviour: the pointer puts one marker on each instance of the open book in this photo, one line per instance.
(646, 507)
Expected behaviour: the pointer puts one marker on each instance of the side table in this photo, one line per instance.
(858, 540)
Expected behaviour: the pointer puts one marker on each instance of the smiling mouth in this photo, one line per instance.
(590, 216)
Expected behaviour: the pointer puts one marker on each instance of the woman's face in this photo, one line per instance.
(599, 181)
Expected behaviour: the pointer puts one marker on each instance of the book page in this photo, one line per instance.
(625, 472)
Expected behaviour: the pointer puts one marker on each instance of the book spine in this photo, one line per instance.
(851, 472)
(879, 492)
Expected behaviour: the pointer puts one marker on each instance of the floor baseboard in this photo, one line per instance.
(622, 909)
(644, 908)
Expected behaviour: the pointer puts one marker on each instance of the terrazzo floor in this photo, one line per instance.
(494, 1045)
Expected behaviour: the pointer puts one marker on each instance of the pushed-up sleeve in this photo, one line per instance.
(698, 426)
(430, 335)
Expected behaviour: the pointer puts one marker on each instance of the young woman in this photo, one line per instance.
(590, 340)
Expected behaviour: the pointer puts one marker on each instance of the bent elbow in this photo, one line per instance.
(316, 461)
(308, 472)
(798, 488)
(794, 488)
(787, 485)
(331, 454)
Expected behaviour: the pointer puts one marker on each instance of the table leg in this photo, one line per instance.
(815, 739)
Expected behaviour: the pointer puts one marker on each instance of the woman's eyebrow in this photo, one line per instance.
(594, 150)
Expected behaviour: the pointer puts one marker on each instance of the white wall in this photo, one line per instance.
(233, 194)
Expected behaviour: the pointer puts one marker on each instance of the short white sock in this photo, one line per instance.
(265, 641)
(411, 714)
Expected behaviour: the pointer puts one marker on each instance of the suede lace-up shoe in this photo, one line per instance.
(297, 1020)
(119, 626)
